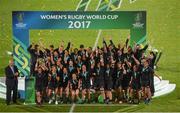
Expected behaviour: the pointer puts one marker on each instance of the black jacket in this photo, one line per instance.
(11, 80)
(33, 54)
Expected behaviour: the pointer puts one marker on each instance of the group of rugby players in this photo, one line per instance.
(116, 73)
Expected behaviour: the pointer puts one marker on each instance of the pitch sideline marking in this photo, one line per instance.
(130, 107)
(72, 108)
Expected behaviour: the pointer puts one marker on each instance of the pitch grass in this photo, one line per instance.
(162, 31)
(63, 107)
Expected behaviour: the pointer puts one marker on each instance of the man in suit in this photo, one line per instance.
(11, 72)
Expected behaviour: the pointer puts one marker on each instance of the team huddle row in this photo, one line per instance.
(117, 74)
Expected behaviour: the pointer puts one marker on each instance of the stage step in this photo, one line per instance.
(2, 95)
(163, 84)
(2, 84)
(168, 89)
(156, 81)
(3, 90)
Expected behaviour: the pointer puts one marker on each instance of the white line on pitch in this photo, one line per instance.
(87, 5)
(98, 5)
(97, 39)
(72, 108)
(78, 5)
(73, 105)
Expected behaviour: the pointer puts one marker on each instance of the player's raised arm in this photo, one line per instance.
(69, 45)
(105, 46)
(127, 41)
(111, 43)
(136, 60)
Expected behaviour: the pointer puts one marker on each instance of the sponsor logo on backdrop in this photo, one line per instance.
(138, 19)
(20, 18)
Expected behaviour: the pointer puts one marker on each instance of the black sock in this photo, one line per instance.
(55, 97)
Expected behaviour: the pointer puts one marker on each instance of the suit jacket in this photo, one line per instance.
(11, 79)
